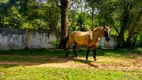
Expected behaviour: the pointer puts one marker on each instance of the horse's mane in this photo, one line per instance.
(98, 28)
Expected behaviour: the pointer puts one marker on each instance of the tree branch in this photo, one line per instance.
(56, 1)
(116, 30)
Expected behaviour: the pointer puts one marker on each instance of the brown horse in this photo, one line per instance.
(88, 38)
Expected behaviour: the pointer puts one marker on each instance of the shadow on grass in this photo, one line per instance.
(13, 58)
(86, 62)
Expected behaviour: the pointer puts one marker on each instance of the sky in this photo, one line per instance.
(43, 1)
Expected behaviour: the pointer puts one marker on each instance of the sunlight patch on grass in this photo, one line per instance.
(42, 73)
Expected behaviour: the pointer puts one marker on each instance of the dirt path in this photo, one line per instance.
(100, 63)
(60, 62)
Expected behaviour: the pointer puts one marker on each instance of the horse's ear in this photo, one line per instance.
(104, 26)
(110, 26)
(92, 29)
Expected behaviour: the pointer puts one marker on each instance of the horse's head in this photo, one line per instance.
(106, 32)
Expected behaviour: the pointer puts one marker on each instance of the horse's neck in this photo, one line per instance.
(102, 32)
(91, 36)
(99, 34)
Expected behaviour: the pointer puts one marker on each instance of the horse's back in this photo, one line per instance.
(72, 35)
(80, 37)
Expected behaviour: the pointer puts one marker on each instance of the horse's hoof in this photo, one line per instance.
(66, 57)
(95, 59)
(87, 61)
(76, 57)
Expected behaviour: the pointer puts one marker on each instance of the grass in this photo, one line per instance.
(42, 73)
(27, 65)
(58, 52)
(30, 55)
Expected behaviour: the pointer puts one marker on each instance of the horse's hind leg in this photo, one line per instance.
(67, 51)
(87, 52)
(94, 55)
(74, 47)
(68, 47)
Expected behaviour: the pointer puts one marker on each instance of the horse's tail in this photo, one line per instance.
(66, 40)
(63, 43)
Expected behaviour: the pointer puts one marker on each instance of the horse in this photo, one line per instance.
(88, 38)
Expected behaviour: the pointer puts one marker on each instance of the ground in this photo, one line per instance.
(133, 61)
(129, 61)
(102, 62)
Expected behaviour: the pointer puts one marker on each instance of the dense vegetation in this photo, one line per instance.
(124, 15)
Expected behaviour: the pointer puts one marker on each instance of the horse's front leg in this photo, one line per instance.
(67, 50)
(74, 47)
(94, 55)
(87, 53)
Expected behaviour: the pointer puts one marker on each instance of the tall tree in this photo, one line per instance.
(135, 24)
(64, 22)
(124, 21)
(93, 4)
(131, 13)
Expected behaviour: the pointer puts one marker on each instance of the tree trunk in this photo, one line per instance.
(81, 18)
(133, 32)
(64, 23)
(131, 40)
(140, 41)
(121, 41)
(124, 23)
(92, 17)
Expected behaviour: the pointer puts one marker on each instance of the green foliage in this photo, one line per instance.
(55, 43)
(124, 15)
(29, 14)
(3, 0)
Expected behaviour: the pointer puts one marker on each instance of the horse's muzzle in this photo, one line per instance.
(107, 39)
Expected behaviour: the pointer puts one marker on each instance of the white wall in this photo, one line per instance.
(21, 39)
(108, 44)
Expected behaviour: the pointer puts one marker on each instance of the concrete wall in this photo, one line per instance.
(21, 39)
(108, 44)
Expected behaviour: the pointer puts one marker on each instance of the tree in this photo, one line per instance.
(94, 4)
(131, 13)
(64, 23)
(124, 15)
(134, 24)
(124, 21)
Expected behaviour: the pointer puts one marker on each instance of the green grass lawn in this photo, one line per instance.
(43, 73)
(24, 65)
